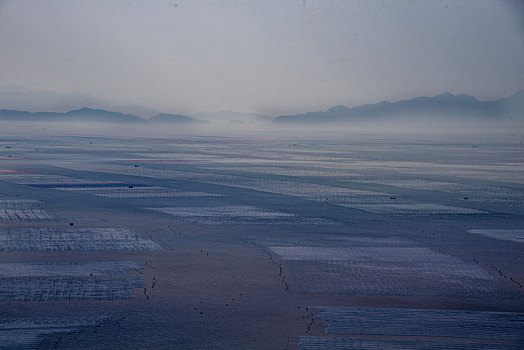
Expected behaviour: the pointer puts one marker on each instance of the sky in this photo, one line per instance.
(269, 57)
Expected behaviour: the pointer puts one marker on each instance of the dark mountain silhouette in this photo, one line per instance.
(77, 115)
(173, 118)
(444, 106)
(98, 115)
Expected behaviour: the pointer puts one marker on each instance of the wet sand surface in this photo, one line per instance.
(201, 242)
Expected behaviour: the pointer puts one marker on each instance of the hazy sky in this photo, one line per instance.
(270, 57)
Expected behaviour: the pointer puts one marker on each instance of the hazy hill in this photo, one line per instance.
(512, 106)
(100, 115)
(20, 98)
(444, 106)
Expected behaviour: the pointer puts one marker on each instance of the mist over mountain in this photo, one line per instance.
(173, 118)
(20, 98)
(231, 117)
(445, 106)
(140, 111)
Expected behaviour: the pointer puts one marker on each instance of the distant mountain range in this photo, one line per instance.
(102, 115)
(445, 106)
(89, 115)
(442, 107)
(76, 115)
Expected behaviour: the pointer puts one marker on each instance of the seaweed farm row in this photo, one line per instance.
(35, 239)
(29, 333)
(388, 328)
(296, 242)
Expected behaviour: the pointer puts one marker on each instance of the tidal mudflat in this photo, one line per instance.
(111, 239)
